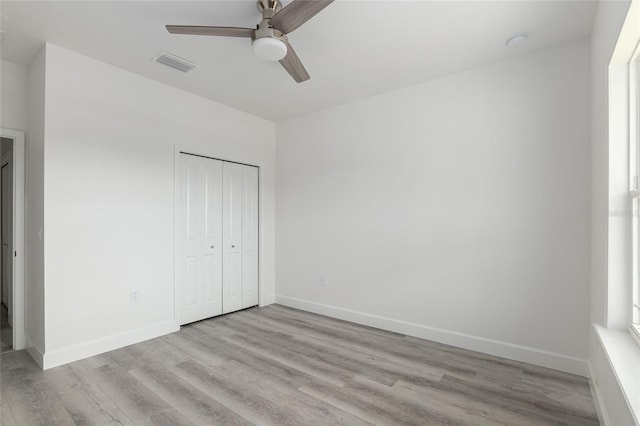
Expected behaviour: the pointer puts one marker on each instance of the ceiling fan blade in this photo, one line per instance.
(297, 13)
(210, 31)
(294, 67)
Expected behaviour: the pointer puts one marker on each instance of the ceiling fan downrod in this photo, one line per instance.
(268, 8)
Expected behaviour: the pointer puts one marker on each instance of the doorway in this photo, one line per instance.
(12, 215)
(6, 244)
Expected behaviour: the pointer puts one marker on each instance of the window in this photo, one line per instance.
(634, 156)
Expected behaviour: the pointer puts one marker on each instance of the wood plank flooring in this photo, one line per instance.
(280, 366)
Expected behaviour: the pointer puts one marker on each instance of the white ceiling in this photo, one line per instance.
(352, 49)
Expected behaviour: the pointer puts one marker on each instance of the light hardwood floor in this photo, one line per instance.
(280, 366)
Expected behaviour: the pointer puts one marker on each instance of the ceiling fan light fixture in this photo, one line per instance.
(269, 48)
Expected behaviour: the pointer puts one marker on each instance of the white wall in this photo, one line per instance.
(14, 96)
(607, 25)
(34, 200)
(456, 210)
(109, 173)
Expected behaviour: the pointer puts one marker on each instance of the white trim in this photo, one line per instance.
(261, 295)
(108, 343)
(19, 340)
(176, 245)
(601, 409)
(512, 351)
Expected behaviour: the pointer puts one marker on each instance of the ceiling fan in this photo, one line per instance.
(269, 38)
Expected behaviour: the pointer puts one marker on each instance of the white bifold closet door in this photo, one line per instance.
(218, 233)
(240, 236)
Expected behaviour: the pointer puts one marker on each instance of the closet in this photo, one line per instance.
(217, 236)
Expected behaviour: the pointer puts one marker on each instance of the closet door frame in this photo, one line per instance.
(176, 215)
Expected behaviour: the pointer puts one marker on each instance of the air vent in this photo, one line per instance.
(173, 61)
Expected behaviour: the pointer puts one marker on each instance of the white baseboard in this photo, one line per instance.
(603, 417)
(268, 300)
(466, 341)
(35, 352)
(104, 344)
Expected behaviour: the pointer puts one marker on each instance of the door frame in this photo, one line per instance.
(18, 295)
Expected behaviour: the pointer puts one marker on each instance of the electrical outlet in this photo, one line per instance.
(323, 281)
(134, 295)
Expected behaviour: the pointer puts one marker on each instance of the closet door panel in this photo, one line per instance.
(199, 259)
(232, 237)
(212, 244)
(192, 284)
(190, 224)
(249, 236)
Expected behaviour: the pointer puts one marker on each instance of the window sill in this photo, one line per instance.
(623, 353)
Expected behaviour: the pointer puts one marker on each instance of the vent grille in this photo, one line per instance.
(173, 61)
